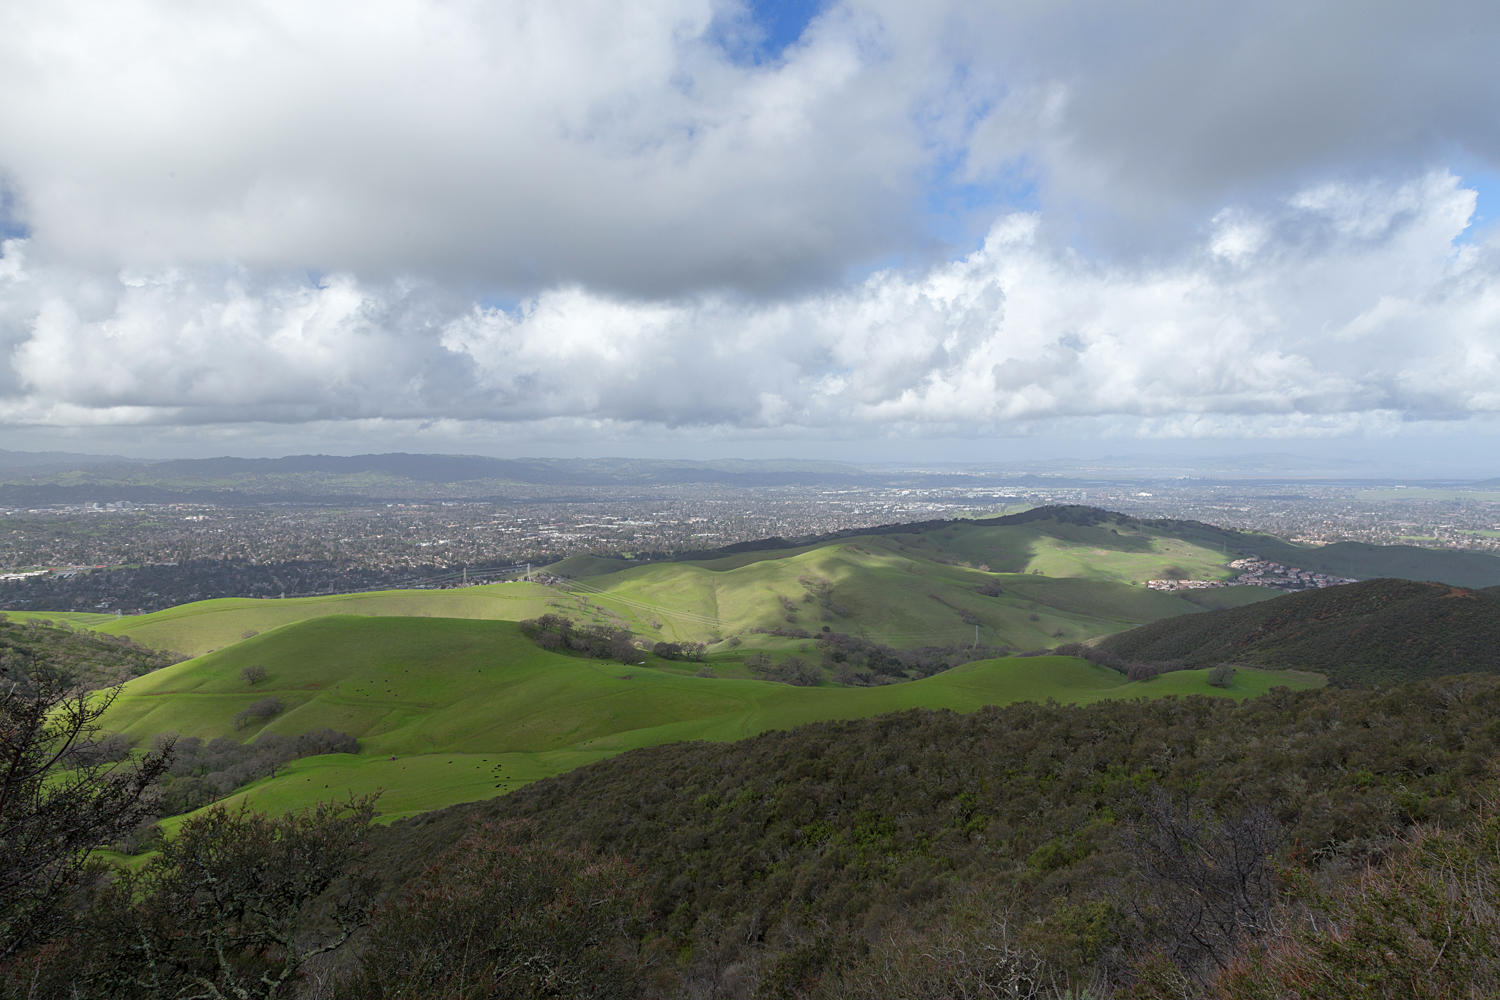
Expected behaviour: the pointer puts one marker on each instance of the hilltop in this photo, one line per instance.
(1063, 522)
(1375, 632)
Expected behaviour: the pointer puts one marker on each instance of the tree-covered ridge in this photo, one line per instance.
(785, 850)
(90, 659)
(1374, 632)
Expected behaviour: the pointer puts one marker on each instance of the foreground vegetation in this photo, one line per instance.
(1182, 847)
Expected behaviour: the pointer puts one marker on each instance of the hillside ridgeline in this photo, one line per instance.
(1374, 632)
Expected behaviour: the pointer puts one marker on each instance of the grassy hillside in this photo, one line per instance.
(472, 708)
(920, 587)
(1076, 569)
(900, 588)
(1171, 548)
(78, 619)
(196, 628)
(1378, 631)
(1062, 574)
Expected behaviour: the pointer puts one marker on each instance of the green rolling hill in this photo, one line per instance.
(202, 626)
(1052, 575)
(469, 709)
(1062, 573)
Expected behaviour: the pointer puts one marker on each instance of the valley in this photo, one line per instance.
(451, 710)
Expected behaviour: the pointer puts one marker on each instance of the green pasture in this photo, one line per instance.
(471, 708)
(1061, 583)
(78, 619)
(197, 628)
(917, 589)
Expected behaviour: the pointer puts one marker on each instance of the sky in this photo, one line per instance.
(872, 230)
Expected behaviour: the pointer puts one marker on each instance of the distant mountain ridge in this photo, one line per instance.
(1374, 632)
(38, 461)
(35, 477)
(304, 478)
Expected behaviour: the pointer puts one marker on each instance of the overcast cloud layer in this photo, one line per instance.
(1204, 220)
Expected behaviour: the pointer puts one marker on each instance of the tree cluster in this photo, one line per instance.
(854, 660)
(259, 711)
(560, 634)
(202, 771)
(1133, 669)
(680, 650)
(792, 670)
(86, 659)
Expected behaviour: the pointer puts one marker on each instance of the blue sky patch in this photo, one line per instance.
(766, 28)
(1487, 211)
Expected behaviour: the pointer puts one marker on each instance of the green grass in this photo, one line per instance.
(193, 629)
(906, 589)
(78, 619)
(914, 589)
(504, 712)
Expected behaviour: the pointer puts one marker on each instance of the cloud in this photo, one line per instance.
(512, 146)
(621, 147)
(1202, 219)
(1347, 308)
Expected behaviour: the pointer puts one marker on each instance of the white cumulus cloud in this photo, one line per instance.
(1351, 305)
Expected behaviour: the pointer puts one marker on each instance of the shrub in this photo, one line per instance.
(1426, 925)
(222, 910)
(1221, 676)
(793, 670)
(500, 917)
